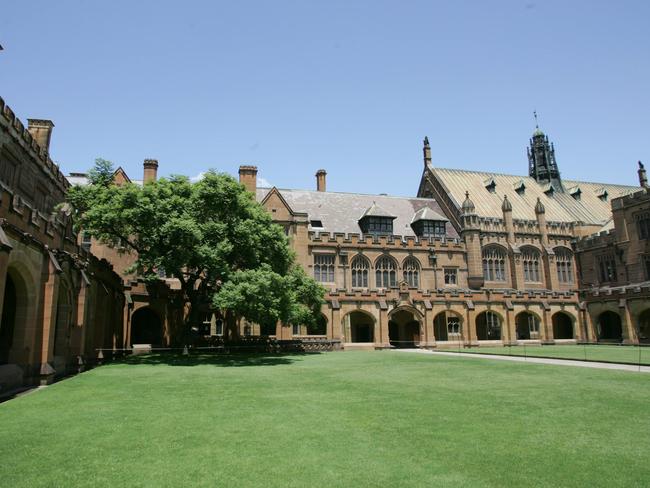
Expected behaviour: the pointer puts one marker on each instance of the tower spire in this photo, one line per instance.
(541, 159)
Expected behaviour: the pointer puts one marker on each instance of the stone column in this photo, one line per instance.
(511, 326)
(4, 266)
(629, 332)
(50, 303)
(382, 329)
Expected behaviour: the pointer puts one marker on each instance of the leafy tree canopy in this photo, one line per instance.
(205, 234)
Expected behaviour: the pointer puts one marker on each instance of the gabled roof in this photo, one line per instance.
(560, 206)
(376, 211)
(425, 213)
(339, 212)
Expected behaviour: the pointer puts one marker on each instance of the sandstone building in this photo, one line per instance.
(476, 258)
(58, 303)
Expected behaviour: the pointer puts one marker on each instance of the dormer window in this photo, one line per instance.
(575, 192)
(430, 228)
(376, 220)
(376, 225)
(428, 223)
(490, 185)
(602, 194)
(520, 187)
(316, 223)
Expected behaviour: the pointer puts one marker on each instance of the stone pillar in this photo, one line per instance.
(4, 267)
(546, 327)
(469, 329)
(50, 303)
(382, 329)
(627, 326)
(511, 326)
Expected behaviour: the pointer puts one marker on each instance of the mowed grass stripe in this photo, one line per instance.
(335, 419)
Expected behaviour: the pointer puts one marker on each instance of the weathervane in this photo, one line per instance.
(535, 115)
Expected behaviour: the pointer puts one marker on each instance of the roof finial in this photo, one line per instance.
(535, 115)
(426, 141)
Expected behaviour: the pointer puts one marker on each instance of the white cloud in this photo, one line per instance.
(264, 183)
(198, 177)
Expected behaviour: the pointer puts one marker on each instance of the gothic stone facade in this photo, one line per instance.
(58, 303)
(441, 270)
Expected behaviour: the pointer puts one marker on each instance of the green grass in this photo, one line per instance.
(348, 419)
(590, 352)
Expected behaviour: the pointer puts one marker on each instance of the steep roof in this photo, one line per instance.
(560, 207)
(340, 212)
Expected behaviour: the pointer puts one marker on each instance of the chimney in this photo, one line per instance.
(643, 177)
(320, 179)
(150, 170)
(41, 131)
(248, 177)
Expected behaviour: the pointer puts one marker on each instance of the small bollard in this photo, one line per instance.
(185, 351)
(100, 357)
(80, 364)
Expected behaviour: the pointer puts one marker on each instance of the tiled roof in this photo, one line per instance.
(340, 212)
(560, 207)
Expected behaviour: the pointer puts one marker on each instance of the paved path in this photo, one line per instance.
(559, 362)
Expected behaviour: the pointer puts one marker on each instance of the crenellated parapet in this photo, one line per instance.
(602, 239)
(17, 131)
(382, 241)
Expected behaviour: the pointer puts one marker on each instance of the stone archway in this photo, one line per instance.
(644, 327)
(562, 326)
(403, 328)
(15, 311)
(609, 327)
(488, 326)
(359, 326)
(527, 326)
(8, 322)
(447, 326)
(146, 327)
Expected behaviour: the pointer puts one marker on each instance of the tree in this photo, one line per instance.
(266, 297)
(204, 234)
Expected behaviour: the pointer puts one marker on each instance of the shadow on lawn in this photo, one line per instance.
(222, 360)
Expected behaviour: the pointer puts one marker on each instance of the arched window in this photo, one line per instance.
(385, 273)
(530, 259)
(494, 264)
(324, 268)
(564, 264)
(359, 269)
(411, 269)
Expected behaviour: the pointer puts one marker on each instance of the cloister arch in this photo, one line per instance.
(527, 326)
(404, 327)
(447, 326)
(562, 326)
(488, 326)
(644, 327)
(359, 326)
(146, 327)
(14, 314)
(609, 327)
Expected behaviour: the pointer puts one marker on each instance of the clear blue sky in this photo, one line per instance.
(349, 86)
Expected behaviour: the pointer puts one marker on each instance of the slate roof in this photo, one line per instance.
(560, 207)
(340, 212)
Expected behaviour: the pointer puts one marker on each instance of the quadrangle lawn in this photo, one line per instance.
(590, 352)
(347, 419)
